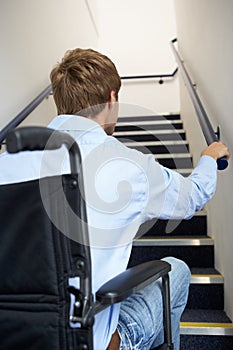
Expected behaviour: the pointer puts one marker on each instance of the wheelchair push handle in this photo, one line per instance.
(32, 138)
(39, 138)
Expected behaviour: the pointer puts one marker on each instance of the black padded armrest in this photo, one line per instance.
(129, 282)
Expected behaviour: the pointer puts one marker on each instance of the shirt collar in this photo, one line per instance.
(76, 123)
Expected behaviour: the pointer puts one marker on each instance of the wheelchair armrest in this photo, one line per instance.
(129, 282)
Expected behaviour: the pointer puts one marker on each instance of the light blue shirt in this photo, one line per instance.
(123, 189)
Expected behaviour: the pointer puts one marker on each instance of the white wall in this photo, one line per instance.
(205, 36)
(34, 35)
(136, 36)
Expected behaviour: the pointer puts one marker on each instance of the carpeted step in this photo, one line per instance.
(175, 160)
(150, 135)
(196, 252)
(138, 131)
(196, 226)
(159, 147)
(206, 342)
(203, 316)
(148, 125)
(159, 117)
(206, 289)
(206, 329)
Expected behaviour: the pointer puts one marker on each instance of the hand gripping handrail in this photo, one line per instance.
(207, 128)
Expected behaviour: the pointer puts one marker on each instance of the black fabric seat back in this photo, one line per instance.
(36, 261)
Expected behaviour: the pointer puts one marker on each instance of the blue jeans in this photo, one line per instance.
(140, 324)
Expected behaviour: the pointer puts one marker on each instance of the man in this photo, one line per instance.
(123, 189)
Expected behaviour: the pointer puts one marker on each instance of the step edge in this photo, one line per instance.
(156, 143)
(173, 242)
(172, 155)
(159, 115)
(206, 328)
(153, 132)
(149, 122)
(207, 279)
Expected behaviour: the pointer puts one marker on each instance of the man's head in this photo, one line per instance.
(84, 82)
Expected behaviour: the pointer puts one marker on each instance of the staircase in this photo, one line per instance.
(204, 324)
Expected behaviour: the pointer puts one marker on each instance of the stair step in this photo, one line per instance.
(206, 329)
(204, 271)
(150, 135)
(171, 242)
(172, 156)
(145, 121)
(160, 147)
(207, 278)
(206, 342)
(199, 254)
(196, 226)
(202, 316)
(148, 125)
(162, 117)
(204, 319)
(155, 143)
(206, 290)
(175, 161)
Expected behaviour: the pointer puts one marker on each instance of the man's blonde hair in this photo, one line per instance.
(82, 82)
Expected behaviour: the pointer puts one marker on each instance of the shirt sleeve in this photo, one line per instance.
(173, 196)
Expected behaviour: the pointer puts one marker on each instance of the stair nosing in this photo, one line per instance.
(207, 279)
(156, 143)
(146, 132)
(160, 115)
(206, 328)
(172, 155)
(149, 122)
(208, 241)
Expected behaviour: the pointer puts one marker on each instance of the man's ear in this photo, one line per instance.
(112, 96)
(111, 100)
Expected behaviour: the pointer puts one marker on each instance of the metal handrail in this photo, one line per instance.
(153, 76)
(48, 90)
(207, 129)
(24, 113)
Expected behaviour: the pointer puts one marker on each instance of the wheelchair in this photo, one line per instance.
(43, 245)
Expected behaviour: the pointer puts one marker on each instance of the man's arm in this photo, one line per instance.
(172, 196)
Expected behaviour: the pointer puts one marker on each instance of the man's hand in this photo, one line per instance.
(216, 150)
